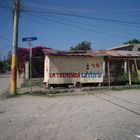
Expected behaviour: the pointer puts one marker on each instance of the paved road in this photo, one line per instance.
(4, 82)
(108, 115)
(5, 79)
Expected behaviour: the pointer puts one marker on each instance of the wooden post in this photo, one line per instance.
(108, 69)
(125, 67)
(129, 73)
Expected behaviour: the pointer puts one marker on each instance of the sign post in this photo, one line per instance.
(29, 40)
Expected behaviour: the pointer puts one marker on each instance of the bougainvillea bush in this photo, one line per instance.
(37, 60)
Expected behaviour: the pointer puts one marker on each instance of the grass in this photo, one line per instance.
(7, 95)
(126, 87)
(64, 92)
(25, 83)
(137, 87)
(51, 92)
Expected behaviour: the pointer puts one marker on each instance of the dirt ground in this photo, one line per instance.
(108, 115)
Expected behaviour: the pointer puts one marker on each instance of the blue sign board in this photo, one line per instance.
(29, 39)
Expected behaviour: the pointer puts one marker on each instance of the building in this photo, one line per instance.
(72, 67)
(127, 47)
(79, 67)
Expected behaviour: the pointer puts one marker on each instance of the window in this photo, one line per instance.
(138, 49)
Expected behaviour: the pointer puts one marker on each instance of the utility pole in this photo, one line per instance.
(16, 8)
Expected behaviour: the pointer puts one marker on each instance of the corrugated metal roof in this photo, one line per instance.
(116, 53)
(124, 46)
(110, 53)
(121, 46)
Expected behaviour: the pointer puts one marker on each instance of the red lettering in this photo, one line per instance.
(52, 75)
(78, 75)
(64, 75)
(57, 75)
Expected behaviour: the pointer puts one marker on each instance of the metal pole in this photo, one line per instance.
(129, 73)
(30, 45)
(14, 48)
(108, 68)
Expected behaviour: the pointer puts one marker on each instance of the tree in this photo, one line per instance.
(1, 66)
(85, 45)
(133, 41)
(23, 56)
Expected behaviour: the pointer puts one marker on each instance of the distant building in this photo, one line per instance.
(127, 47)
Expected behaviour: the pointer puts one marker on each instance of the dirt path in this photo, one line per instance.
(109, 115)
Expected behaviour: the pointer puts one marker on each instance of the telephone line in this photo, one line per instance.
(83, 17)
(79, 27)
(73, 30)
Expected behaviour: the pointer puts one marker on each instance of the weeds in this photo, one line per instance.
(25, 83)
(7, 95)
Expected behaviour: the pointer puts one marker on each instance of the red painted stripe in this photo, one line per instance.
(14, 74)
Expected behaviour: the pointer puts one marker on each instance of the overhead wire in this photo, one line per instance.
(82, 16)
(87, 10)
(4, 48)
(75, 31)
(6, 19)
(32, 10)
(57, 14)
(106, 27)
(82, 28)
(78, 22)
(2, 37)
(6, 6)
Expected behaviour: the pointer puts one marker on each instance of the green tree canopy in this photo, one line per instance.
(1, 66)
(133, 41)
(85, 45)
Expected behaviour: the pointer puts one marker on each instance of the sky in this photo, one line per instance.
(60, 24)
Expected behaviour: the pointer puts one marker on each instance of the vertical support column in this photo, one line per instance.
(30, 45)
(108, 69)
(129, 73)
(104, 68)
(125, 67)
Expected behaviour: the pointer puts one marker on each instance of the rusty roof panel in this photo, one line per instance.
(116, 53)
(109, 53)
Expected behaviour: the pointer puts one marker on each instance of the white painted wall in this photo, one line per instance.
(61, 69)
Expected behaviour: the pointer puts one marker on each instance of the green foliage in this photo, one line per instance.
(5, 65)
(53, 92)
(133, 41)
(85, 45)
(25, 83)
(1, 66)
(23, 56)
(123, 79)
(134, 78)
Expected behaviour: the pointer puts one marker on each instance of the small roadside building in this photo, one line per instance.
(72, 67)
(79, 67)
